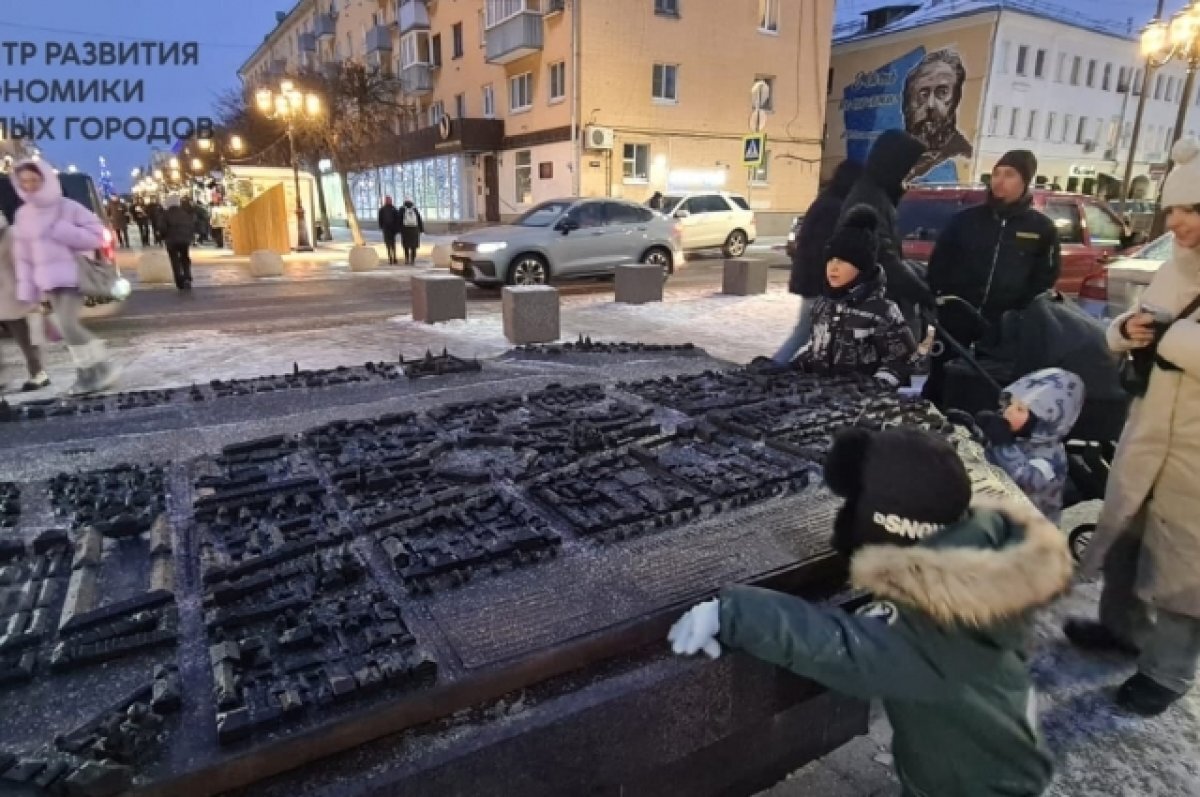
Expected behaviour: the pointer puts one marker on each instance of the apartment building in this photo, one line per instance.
(519, 101)
(976, 79)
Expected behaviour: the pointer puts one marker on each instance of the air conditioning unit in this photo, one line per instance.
(1110, 154)
(598, 137)
(1089, 146)
(555, 7)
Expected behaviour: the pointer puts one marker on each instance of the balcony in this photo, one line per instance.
(515, 36)
(412, 15)
(381, 62)
(416, 79)
(379, 39)
(324, 26)
(307, 42)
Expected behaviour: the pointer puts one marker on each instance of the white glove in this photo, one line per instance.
(697, 630)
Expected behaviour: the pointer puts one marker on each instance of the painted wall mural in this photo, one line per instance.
(922, 92)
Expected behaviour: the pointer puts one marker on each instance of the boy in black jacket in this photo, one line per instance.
(856, 328)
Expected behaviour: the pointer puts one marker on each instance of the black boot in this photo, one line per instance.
(1094, 636)
(1144, 696)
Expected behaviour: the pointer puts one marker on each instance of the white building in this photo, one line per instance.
(1038, 76)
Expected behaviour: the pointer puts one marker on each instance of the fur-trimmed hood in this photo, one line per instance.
(1000, 562)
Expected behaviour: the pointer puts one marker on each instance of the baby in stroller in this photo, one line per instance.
(1026, 437)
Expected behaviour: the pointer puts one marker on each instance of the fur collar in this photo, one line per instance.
(971, 586)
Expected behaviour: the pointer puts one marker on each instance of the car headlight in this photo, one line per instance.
(487, 249)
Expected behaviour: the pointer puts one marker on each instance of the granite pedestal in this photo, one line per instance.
(744, 277)
(531, 314)
(438, 297)
(154, 268)
(364, 258)
(265, 263)
(639, 283)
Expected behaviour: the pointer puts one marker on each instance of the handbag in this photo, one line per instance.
(1138, 364)
(95, 277)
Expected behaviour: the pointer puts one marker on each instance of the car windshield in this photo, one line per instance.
(669, 203)
(543, 215)
(922, 219)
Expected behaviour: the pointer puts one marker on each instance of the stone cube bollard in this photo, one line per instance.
(363, 258)
(265, 263)
(441, 256)
(155, 267)
(639, 283)
(744, 277)
(438, 297)
(530, 314)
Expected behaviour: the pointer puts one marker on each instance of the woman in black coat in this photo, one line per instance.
(808, 261)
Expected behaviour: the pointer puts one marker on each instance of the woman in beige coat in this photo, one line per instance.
(1148, 538)
(13, 314)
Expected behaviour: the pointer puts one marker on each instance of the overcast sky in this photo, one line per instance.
(226, 30)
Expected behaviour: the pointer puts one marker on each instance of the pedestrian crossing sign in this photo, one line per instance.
(753, 149)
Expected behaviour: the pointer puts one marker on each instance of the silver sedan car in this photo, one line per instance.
(567, 239)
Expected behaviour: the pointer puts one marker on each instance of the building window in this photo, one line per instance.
(520, 92)
(523, 174)
(768, 16)
(460, 106)
(664, 85)
(1022, 58)
(761, 174)
(666, 8)
(1158, 87)
(414, 49)
(769, 105)
(1139, 82)
(1062, 68)
(1005, 47)
(456, 38)
(1091, 73)
(1014, 122)
(558, 81)
(489, 102)
(500, 11)
(1068, 120)
(1076, 63)
(482, 28)
(1122, 80)
(1039, 64)
(435, 50)
(1170, 89)
(436, 112)
(1107, 84)
(994, 124)
(1032, 123)
(1081, 131)
(636, 166)
(1051, 122)
(1126, 134)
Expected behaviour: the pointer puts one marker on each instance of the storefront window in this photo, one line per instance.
(434, 186)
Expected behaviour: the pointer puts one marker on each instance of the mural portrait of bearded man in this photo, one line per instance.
(932, 93)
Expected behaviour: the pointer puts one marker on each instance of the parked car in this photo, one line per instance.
(714, 219)
(566, 239)
(81, 188)
(1118, 286)
(1090, 233)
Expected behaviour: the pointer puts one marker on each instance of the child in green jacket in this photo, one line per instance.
(954, 584)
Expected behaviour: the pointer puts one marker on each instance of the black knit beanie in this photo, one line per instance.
(855, 241)
(1024, 161)
(900, 485)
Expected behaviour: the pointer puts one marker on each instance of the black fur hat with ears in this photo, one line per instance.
(856, 241)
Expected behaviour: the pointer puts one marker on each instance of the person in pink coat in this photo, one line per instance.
(49, 231)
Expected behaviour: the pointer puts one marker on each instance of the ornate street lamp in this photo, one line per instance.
(287, 105)
(1163, 43)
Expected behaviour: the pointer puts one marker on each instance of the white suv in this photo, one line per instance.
(713, 219)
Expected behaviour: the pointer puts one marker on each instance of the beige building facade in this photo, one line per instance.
(515, 102)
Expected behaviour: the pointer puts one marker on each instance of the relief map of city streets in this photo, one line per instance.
(178, 592)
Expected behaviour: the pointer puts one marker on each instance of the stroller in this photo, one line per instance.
(1050, 333)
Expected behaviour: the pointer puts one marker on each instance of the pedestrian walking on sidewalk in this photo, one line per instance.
(14, 315)
(154, 214)
(50, 232)
(141, 217)
(179, 229)
(411, 227)
(1147, 541)
(389, 225)
(119, 219)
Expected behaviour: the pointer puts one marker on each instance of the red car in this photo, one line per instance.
(1089, 232)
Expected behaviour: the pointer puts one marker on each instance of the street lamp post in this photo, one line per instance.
(1162, 43)
(289, 104)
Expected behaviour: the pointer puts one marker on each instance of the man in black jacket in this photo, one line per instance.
(808, 261)
(883, 183)
(389, 225)
(997, 256)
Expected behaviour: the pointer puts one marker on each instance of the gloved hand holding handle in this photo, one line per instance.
(697, 630)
